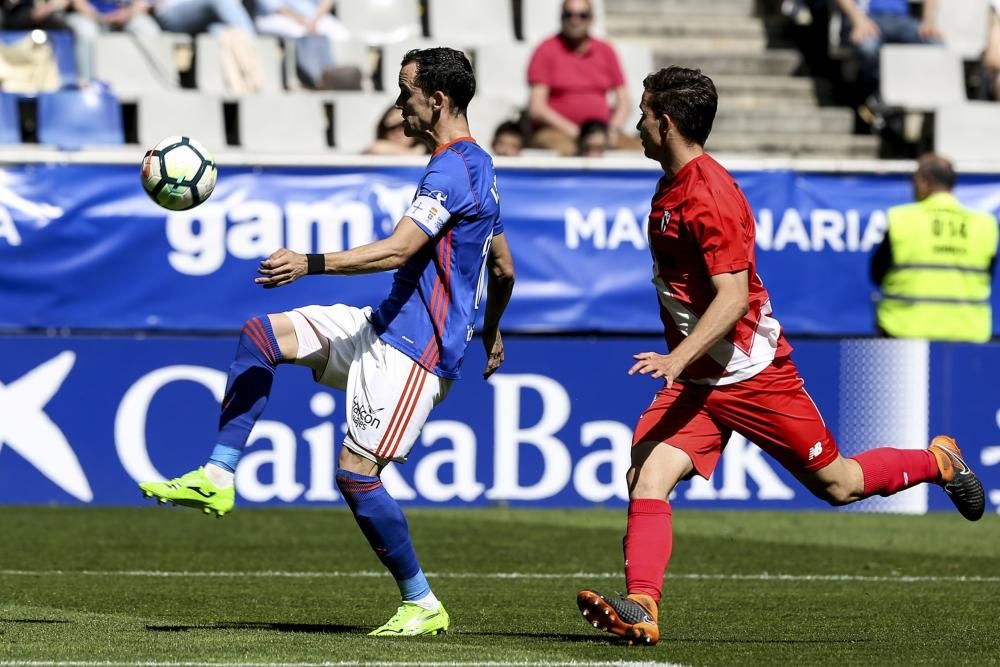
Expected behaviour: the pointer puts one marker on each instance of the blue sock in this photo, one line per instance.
(381, 520)
(250, 378)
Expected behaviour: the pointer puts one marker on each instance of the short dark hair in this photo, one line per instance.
(444, 69)
(508, 127)
(936, 170)
(688, 97)
(589, 127)
(382, 129)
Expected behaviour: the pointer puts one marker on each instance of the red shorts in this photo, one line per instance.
(771, 410)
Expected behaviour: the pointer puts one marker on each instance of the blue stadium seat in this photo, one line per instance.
(73, 118)
(10, 120)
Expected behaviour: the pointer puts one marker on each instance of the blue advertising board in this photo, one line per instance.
(82, 418)
(81, 246)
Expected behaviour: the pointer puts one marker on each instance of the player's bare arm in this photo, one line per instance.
(731, 302)
(540, 111)
(501, 285)
(286, 266)
(622, 108)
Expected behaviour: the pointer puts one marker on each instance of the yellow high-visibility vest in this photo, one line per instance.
(938, 287)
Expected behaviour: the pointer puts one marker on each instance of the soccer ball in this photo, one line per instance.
(178, 173)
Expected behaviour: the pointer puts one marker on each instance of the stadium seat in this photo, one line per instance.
(968, 132)
(964, 25)
(921, 78)
(356, 53)
(132, 67)
(380, 22)
(10, 119)
(283, 123)
(486, 113)
(208, 65)
(540, 19)
(477, 22)
(72, 119)
(637, 61)
(345, 53)
(392, 55)
(355, 117)
(194, 114)
(502, 71)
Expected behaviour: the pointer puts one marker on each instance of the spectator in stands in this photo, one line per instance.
(593, 140)
(90, 18)
(571, 76)
(32, 14)
(314, 29)
(197, 16)
(390, 138)
(991, 54)
(297, 18)
(936, 263)
(869, 24)
(507, 140)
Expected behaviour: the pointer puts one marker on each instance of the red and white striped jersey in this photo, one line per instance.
(701, 225)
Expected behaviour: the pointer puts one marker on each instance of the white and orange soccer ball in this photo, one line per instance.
(178, 173)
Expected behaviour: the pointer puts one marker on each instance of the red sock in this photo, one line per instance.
(648, 541)
(888, 470)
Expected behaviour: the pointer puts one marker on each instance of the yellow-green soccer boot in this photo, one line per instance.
(412, 620)
(193, 490)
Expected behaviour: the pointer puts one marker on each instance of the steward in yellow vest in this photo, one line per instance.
(936, 263)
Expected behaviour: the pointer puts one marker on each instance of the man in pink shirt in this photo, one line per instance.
(570, 76)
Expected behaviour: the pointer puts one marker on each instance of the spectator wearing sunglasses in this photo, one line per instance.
(571, 75)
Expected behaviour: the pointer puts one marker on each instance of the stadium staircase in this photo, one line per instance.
(763, 108)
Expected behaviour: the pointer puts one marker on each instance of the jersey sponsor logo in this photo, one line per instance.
(815, 450)
(364, 416)
(664, 221)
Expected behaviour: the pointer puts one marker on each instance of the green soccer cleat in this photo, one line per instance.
(412, 620)
(192, 490)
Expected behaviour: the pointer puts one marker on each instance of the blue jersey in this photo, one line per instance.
(886, 7)
(430, 313)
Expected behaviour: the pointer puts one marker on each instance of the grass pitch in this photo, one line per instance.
(296, 586)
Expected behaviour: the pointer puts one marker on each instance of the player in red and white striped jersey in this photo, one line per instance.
(729, 366)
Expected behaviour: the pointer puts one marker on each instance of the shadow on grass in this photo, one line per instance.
(311, 628)
(553, 636)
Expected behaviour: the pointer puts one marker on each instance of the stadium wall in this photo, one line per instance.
(82, 251)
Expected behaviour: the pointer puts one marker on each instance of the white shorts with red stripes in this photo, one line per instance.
(389, 395)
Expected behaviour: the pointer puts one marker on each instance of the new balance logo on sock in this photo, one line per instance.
(815, 450)
(197, 489)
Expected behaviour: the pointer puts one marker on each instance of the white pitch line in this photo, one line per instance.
(533, 663)
(338, 574)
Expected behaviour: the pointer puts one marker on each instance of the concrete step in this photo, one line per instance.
(765, 102)
(783, 120)
(679, 7)
(795, 145)
(705, 26)
(774, 62)
(694, 43)
(750, 90)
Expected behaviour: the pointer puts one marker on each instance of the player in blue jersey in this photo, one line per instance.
(394, 362)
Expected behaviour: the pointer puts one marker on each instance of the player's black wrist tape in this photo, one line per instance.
(315, 264)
